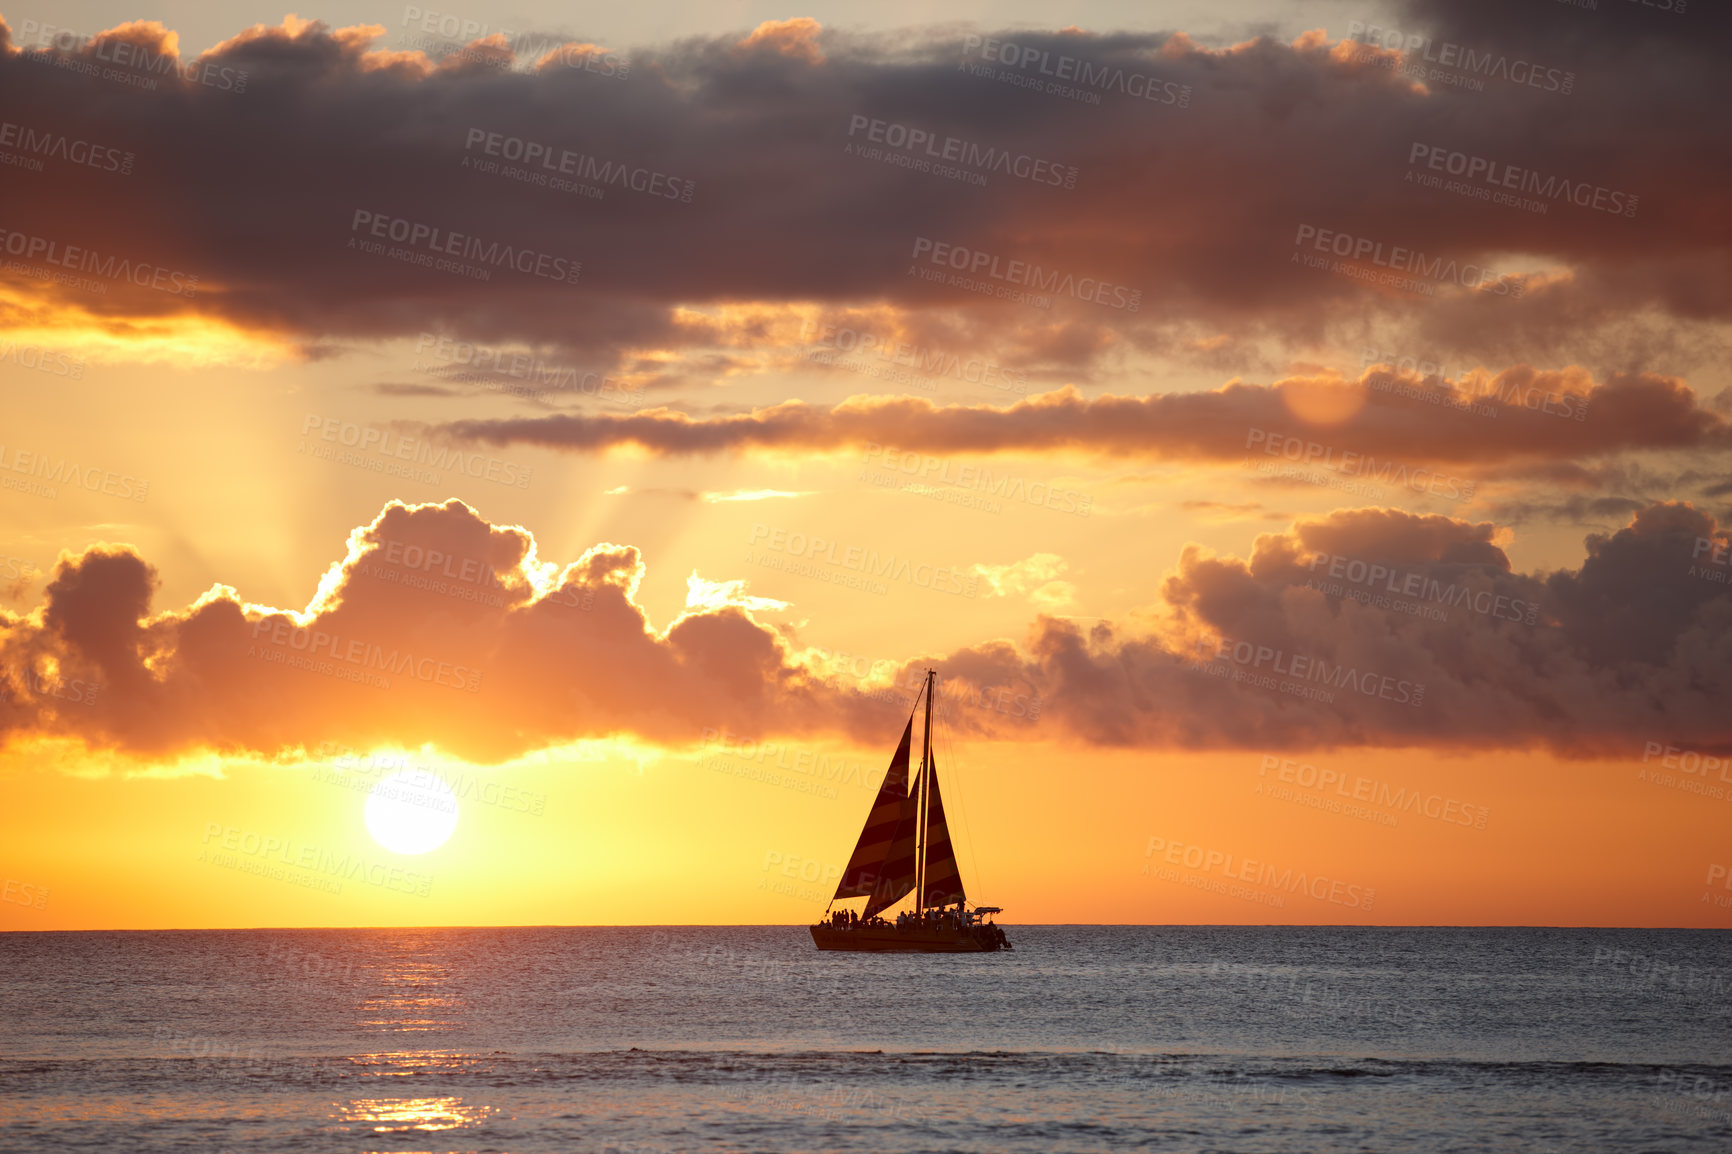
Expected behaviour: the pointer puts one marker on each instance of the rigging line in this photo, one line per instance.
(915, 704)
(954, 759)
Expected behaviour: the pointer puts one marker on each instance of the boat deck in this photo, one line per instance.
(887, 938)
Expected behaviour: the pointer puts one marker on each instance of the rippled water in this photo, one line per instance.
(1084, 1038)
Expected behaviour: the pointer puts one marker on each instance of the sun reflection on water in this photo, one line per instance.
(415, 998)
(393, 1115)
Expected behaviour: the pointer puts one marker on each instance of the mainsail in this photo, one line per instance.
(943, 878)
(865, 875)
(885, 863)
(896, 876)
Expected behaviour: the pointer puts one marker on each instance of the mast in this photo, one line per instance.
(920, 819)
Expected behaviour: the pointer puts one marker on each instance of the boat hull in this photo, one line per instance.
(888, 939)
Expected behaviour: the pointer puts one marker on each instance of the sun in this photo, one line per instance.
(411, 812)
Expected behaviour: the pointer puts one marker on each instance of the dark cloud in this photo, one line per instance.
(1520, 414)
(397, 389)
(438, 627)
(1572, 510)
(1196, 204)
(1633, 646)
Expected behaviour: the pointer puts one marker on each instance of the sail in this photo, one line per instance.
(943, 878)
(896, 875)
(865, 868)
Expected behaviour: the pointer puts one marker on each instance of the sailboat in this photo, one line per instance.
(905, 848)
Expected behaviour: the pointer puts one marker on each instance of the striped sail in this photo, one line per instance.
(896, 876)
(865, 871)
(943, 878)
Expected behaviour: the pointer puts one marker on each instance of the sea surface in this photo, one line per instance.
(645, 1040)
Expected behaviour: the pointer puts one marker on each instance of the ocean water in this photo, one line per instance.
(642, 1040)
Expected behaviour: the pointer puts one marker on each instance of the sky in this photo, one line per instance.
(515, 467)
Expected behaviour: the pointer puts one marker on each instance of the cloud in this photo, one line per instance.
(751, 495)
(1518, 414)
(796, 39)
(1378, 605)
(436, 626)
(1223, 511)
(399, 389)
(439, 627)
(757, 127)
(710, 596)
(1036, 578)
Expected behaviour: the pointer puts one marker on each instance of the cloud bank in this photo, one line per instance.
(1369, 627)
(321, 185)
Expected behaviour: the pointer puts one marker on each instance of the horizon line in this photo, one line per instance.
(804, 925)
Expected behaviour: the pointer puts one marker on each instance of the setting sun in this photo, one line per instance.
(411, 813)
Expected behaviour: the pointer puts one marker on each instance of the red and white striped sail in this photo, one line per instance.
(943, 877)
(866, 875)
(883, 868)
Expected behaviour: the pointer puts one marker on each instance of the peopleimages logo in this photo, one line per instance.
(26, 894)
(275, 855)
(418, 785)
(962, 152)
(42, 360)
(470, 570)
(1687, 760)
(1376, 575)
(919, 361)
(77, 691)
(1510, 390)
(144, 274)
(863, 561)
(1494, 65)
(1379, 793)
(807, 761)
(430, 571)
(927, 468)
(1105, 77)
(379, 449)
(457, 244)
(487, 362)
(553, 160)
(1580, 193)
(1353, 464)
(18, 569)
(1304, 669)
(1717, 551)
(67, 471)
(42, 142)
(1026, 275)
(1405, 260)
(128, 55)
(1320, 888)
(364, 655)
(439, 29)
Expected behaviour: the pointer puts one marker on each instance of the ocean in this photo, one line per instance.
(1086, 1038)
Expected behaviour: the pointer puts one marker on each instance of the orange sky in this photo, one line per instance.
(624, 839)
(658, 493)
